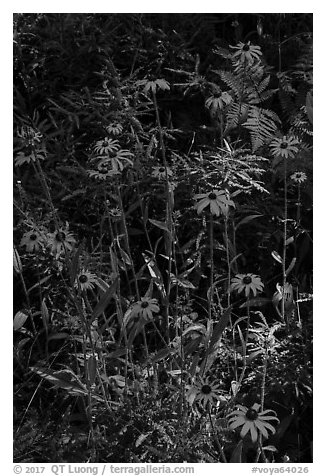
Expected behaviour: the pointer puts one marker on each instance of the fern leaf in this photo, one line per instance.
(262, 125)
(232, 81)
(235, 114)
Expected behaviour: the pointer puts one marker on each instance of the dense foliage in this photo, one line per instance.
(163, 237)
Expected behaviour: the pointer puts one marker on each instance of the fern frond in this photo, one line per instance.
(235, 112)
(232, 81)
(262, 125)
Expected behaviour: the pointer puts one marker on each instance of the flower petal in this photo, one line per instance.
(245, 429)
(201, 205)
(253, 431)
(238, 422)
(261, 428)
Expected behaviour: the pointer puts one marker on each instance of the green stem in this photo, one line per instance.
(284, 239)
(216, 438)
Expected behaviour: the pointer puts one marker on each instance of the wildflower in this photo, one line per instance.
(61, 241)
(85, 280)
(298, 177)
(32, 240)
(115, 212)
(246, 52)
(29, 135)
(115, 128)
(106, 146)
(218, 101)
(118, 159)
(216, 199)
(159, 172)
(248, 282)
(30, 155)
(154, 85)
(144, 308)
(102, 173)
(203, 392)
(252, 420)
(284, 147)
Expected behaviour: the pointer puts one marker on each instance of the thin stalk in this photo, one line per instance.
(299, 205)
(211, 259)
(284, 239)
(227, 257)
(169, 221)
(260, 450)
(216, 437)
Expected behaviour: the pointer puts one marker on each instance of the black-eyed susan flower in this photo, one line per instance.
(144, 308)
(284, 147)
(103, 172)
(246, 282)
(115, 212)
(85, 280)
(29, 135)
(115, 128)
(203, 391)
(298, 177)
(153, 85)
(246, 52)
(106, 146)
(218, 101)
(159, 172)
(120, 160)
(61, 241)
(33, 240)
(250, 419)
(217, 200)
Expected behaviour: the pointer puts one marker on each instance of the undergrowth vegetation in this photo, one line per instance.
(163, 238)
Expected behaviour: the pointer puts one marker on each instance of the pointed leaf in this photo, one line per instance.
(289, 240)
(162, 225)
(219, 328)
(17, 263)
(91, 369)
(291, 266)
(277, 257)
(236, 456)
(105, 299)
(45, 315)
(141, 439)
(19, 320)
(247, 220)
(255, 302)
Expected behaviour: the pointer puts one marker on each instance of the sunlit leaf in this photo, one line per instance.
(19, 320)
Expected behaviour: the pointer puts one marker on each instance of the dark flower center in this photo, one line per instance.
(105, 143)
(83, 278)
(29, 149)
(284, 145)
(103, 168)
(246, 48)
(217, 94)
(212, 196)
(33, 237)
(247, 280)
(251, 414)
(60, 236)
(161, 170)
(206, 389)
(144, 304)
